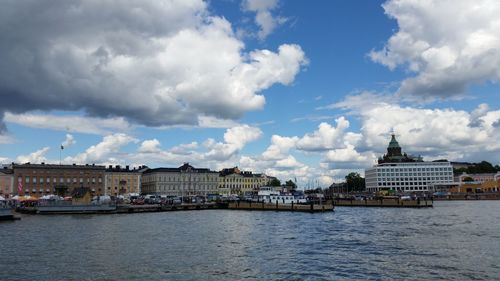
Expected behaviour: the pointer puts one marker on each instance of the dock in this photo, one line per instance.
(261, 206)
(166, 208)
(384, 203)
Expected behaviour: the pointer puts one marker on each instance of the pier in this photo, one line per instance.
(384, 202)
(261, 206)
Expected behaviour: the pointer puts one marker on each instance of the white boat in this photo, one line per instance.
(269, 195)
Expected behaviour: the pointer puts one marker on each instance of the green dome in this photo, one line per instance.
(394, 143)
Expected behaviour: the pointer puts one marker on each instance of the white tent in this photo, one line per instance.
(2, 198)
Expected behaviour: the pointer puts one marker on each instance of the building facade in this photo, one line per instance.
(232, 181)
(6, 182)
(487, 182)
(183, 181)
(399, 172)
(41, 179)
(120, 181)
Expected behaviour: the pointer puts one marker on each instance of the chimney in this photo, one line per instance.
(127, 167)
(110, 167)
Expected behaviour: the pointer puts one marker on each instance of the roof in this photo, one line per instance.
(393, 143)
(57, 166)
(184, 168)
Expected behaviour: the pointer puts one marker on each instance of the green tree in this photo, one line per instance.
(467, 179)
(275, 182)
(291, 183)
(355, 182)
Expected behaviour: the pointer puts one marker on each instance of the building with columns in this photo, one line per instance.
(185, 180)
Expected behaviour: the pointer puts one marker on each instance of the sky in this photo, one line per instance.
(305, 90)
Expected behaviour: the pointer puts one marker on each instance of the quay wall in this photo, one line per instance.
(386, 202)
(280, 207)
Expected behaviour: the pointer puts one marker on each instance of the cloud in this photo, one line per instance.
(107, 151)
(149, 146)
(447, 56)
(35, 157)
(263, 17)
(431, 132)
(325, 138)
(71, 123)
(212, 154)
(155, 63)
(69, 141)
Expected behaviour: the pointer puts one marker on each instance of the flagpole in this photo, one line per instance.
(60, 154)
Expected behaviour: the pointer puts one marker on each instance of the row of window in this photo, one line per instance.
(422, 169)
(414, 174)
(54, 180)
(417, 179)
(174, 187)
(241, 180)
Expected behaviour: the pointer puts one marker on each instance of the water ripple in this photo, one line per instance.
(452, 241)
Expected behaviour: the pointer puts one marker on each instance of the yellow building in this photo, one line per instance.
(478, 183)
(232, 181)
(119, 181)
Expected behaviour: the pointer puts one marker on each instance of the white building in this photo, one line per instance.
(416, 176)
(183, 181)
(400, 172)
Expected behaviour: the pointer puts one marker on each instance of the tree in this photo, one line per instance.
(291, 183)
(275, 182)
(355, 182)
(467, 179)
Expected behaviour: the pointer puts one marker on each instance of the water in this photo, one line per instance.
(453, 240)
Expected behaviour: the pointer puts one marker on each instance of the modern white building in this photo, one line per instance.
(183, 181)
(417, 176)
(400, 172)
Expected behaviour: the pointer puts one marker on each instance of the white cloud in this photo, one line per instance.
(107, 151)
(263, 17)
(35, 157)
(279, 147)
(155, 63)
(448, 44)
(432, 133)
(326, 137)
(149, 146)
(69, 141)
(210, 153)
(71, 123)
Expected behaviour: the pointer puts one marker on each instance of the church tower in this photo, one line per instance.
(393, 149)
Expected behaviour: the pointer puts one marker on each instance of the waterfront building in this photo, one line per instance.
(183, 181)
(41, 179)
(122, 180)
(6, 181)
(398, 171)
(487, 182)
(232, 181)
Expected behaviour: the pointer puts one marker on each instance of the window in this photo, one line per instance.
(34, 179)
(27, 180)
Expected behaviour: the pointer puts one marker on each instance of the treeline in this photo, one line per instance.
(482, 167)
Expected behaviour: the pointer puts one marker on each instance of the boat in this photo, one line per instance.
(5, 211)
(269, 195)
(67, 207)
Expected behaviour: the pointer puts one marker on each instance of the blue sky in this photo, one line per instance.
(289, 88)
